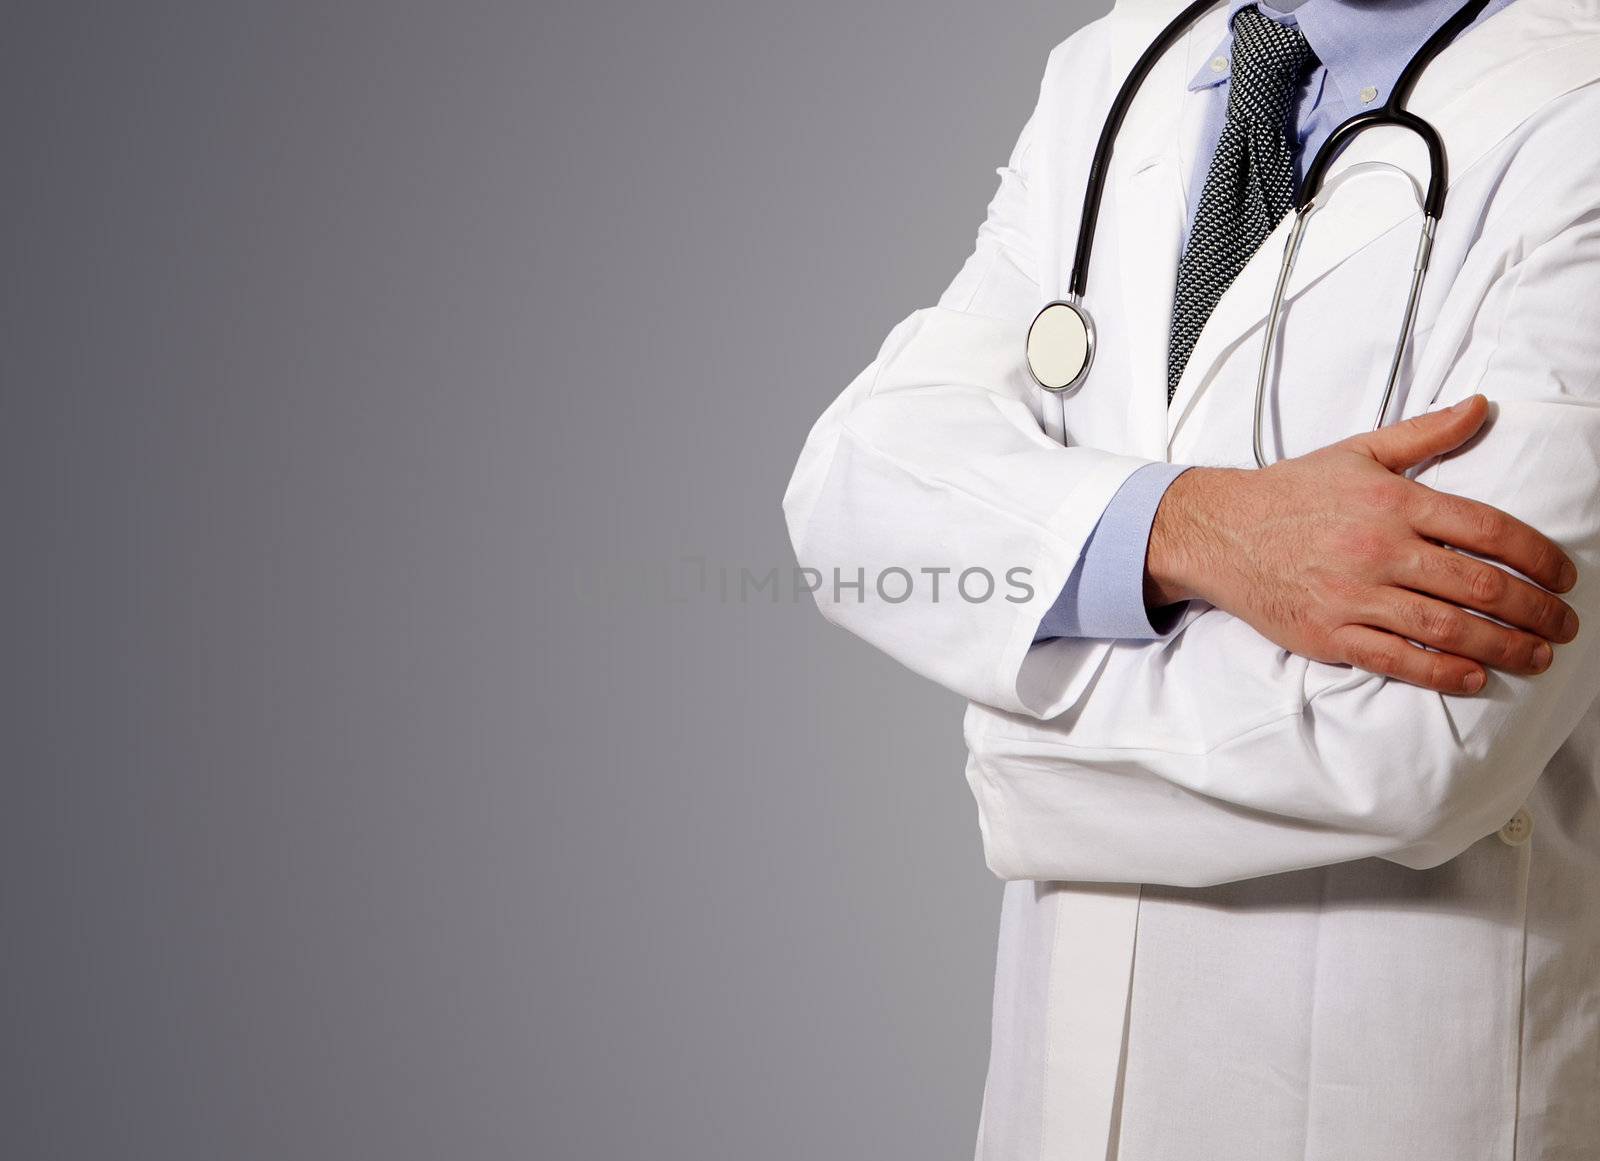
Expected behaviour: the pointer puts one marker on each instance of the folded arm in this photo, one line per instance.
(1213, 753)
(1217, 754)
(933, 463)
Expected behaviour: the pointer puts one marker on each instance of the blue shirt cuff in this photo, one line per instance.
(1104, 596)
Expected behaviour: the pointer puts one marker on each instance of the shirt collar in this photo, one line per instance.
(1362, 67)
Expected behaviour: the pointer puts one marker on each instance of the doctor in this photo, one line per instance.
(1280, 884)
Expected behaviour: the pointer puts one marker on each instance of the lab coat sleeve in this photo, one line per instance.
(941, 521)
(1215, 755)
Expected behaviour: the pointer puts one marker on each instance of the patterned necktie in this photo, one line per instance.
(1250, 186)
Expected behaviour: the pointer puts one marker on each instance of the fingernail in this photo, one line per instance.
(1464, 404)
(1472, 683)
(1567, 577)
(1569, 624)
(1542, 656)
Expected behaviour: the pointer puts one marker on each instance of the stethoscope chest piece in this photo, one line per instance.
(1061, 346)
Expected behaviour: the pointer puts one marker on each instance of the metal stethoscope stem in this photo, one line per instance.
(1291, 250)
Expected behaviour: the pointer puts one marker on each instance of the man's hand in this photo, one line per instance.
(1337, 557)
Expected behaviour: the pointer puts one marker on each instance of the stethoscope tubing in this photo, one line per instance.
(1100, 166)
(1291, 250)
(1392, 113)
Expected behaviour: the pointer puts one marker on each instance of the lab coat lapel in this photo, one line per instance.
(1477, 91)
(1148, 191)
(1150, 210)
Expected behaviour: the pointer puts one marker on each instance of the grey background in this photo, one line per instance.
(350, 355)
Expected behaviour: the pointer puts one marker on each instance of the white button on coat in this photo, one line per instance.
(1519, 829)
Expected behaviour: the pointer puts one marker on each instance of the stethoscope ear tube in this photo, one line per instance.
(1419, 271)
(1291, 250)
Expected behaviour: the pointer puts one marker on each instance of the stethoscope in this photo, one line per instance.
(1061, 340)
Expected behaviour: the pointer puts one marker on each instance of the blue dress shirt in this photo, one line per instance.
(1361, 48)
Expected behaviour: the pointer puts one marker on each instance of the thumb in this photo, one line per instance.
(1408, 443)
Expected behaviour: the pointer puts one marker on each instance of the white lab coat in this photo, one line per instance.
(1336, 951)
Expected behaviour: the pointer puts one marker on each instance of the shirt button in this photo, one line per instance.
(1219, 64)
(1368, 95)
(1518, 830)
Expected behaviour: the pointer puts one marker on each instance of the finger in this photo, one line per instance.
(1404, 445)
(1463, 523)
(1390, 656)
(1453, 630)
(1473, 584)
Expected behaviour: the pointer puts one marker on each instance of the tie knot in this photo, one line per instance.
(1268, 60)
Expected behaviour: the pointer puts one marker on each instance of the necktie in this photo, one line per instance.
(1250, 185)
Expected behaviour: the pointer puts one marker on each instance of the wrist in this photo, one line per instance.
(1176, 557)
